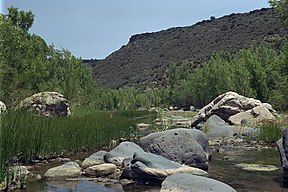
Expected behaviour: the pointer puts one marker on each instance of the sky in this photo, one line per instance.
(96, 28)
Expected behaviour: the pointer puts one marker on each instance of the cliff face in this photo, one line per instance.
(146, 56)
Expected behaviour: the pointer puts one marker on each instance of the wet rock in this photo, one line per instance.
(282, 145)
(185, 146)
(102, 170)
(226, 105)
(94, 159)
(155, 168)
(67, 170)
(215, 127)
(256, 167)
(3, 108)
(180, 182)
(123, 150)
(47, 104)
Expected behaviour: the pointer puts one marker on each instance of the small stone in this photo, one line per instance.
(101, 170)
(39, 177)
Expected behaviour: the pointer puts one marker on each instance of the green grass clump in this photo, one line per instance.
(270, 131)
(24, 134)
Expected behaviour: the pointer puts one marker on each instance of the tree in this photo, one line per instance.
(282, 9)
(22, 19)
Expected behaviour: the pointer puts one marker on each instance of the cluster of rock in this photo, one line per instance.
(47, 104)
(228, 111)
(158, 156)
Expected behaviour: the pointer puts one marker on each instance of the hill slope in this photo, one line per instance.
(146, 56)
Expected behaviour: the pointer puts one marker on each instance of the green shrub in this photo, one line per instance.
(270, 131)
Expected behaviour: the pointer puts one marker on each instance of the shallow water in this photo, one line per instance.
(220, 169)
(241, 180)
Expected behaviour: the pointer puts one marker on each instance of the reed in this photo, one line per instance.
(270, 131)
(24, 134)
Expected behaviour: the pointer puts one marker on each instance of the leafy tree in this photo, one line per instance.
(282, 9)
(22, 19)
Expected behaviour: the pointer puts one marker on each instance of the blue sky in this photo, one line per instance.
(96, 28)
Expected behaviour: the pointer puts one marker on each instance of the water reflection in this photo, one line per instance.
(81, 186)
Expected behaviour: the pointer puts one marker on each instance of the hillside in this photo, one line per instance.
(146, 56)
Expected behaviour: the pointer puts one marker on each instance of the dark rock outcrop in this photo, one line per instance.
(146, 57)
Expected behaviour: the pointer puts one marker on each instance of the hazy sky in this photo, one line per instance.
(96, 28)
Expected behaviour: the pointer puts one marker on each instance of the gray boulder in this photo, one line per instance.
(3, 108)
(94, 159)
(215, 127)
(282, 145)
(185, 146)
(67, 170)
(151, 167)
(47, 104)
(122, 151)
(226, 105)
(180, 182)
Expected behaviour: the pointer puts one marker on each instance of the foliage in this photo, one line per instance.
(28, 65)
(270, 131)
(282, 9)
(25, 135)
(259, 71)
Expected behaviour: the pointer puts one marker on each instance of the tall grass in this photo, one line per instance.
(24, 134)
(270, 131)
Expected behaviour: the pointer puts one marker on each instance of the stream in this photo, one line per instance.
(221, 167)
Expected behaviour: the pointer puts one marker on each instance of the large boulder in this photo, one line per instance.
(67, 170)
(257, 114)
(181, 182)
(122, 151)
(3, 108)
(226, 105)
(282, 145)
(94, 159)
(47, 104)
(151, 167)
(215, 127)
(185, 146)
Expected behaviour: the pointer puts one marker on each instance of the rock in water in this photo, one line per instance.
(155, 168)
(215, 127)
(47, 104)
(94, 159)
(67, 170)
(180, 182)
(122, 151)
(101, 170)
(185, 146)
(282, 145)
